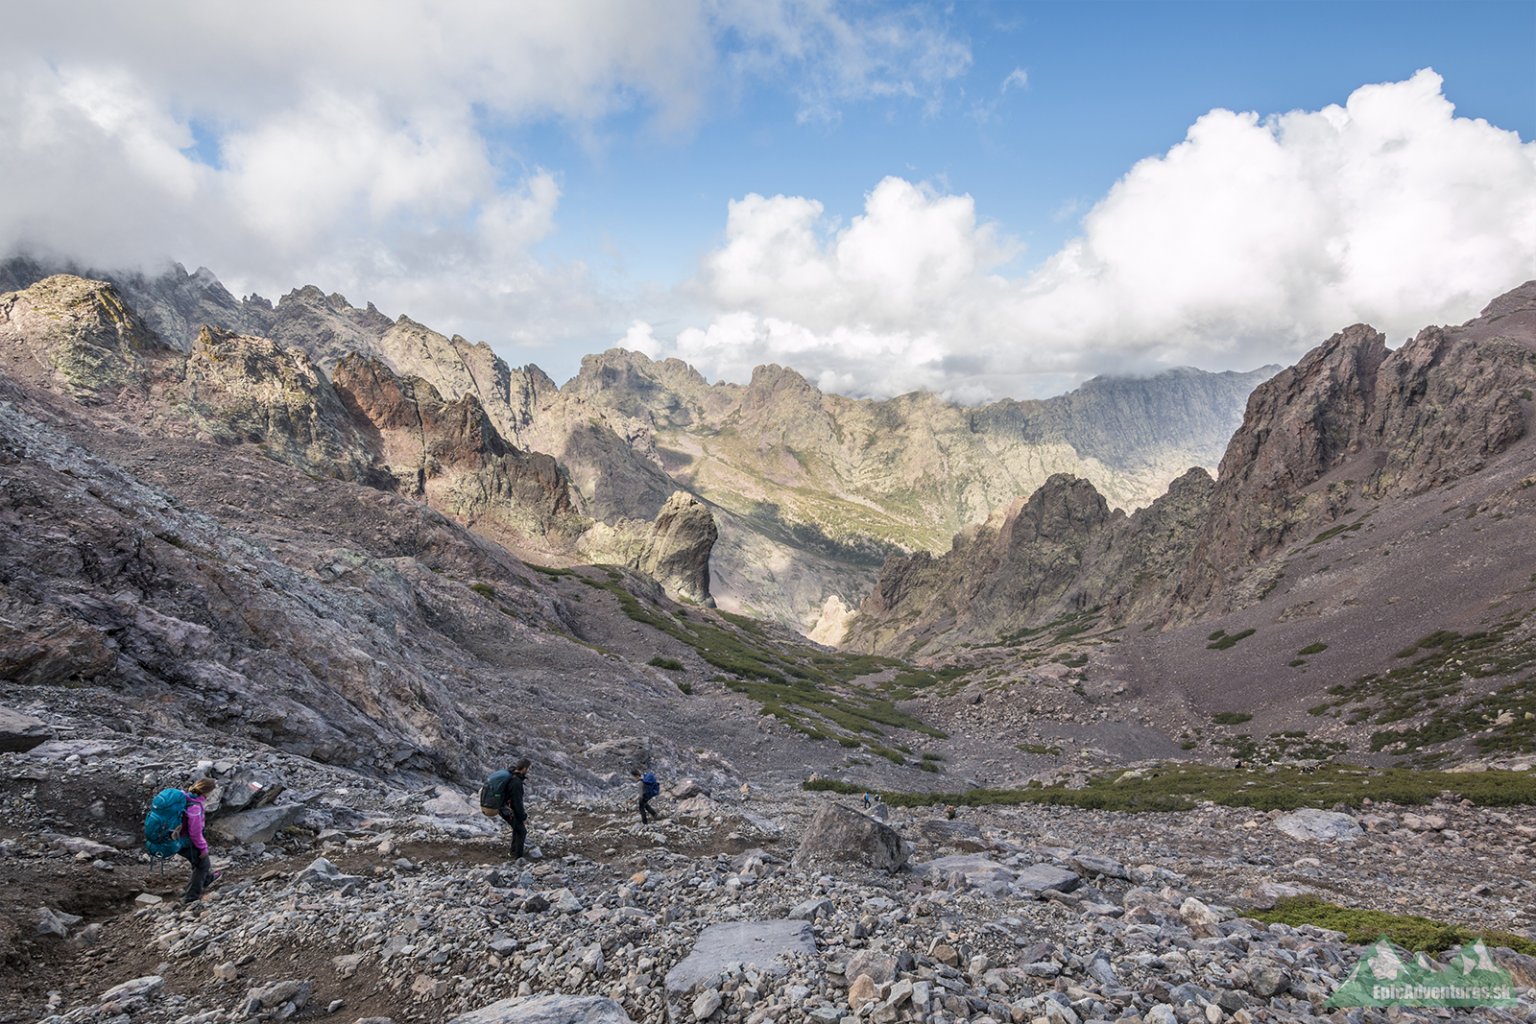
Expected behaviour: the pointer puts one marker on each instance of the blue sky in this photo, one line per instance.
(980, 198)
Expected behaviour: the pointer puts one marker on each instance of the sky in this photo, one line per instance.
(985, 199)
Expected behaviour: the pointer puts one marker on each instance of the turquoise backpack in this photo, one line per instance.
(162, 825)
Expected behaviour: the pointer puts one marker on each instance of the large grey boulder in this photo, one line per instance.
(19, 732)
(839, 835)
(960, 834)
(967, 870)
(257, 826)
(556, 1009)
(763, 946)
(1309, 823)
(1041, 878)
(247, 790)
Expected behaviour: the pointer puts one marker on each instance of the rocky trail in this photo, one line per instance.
(373, 902)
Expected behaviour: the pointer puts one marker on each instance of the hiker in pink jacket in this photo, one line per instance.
(195, 849)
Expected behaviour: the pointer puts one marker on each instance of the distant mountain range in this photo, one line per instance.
(810, 491)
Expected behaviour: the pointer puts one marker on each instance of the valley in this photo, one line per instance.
(1296, 691)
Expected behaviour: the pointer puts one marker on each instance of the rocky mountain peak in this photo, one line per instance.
(1520, 299)
(244, 389)
(75, 334)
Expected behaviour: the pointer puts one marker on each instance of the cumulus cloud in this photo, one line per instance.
(1246, 243)
(365, 147)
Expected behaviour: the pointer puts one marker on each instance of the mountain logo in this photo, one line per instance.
(1388, 976)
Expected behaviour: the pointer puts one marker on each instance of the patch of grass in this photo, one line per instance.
(807, 688)
(1038, 748)
(1231, 717)
(1314, 648)
(1362, 927)
(1296, 663)
(1179, 786)
(1225, 640)
(485, 590)
(669, 664)
(685, 687)
(1429, 689)
(549, 571)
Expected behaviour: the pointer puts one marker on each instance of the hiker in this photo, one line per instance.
(866, 800)
(174, 827)
(502, 797)
(746, 792)
(950, 811)
(649, 788)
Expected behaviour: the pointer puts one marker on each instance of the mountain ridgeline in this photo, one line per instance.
(810, 492)
(1354, 437)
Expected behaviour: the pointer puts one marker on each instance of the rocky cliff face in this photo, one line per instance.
(1350, 427)
(1352, 422)
(373, 426)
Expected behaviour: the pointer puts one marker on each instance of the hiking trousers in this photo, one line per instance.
(646, 814)
(202, 870)
(519, 831)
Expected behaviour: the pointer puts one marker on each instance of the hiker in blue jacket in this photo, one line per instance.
(649, 788)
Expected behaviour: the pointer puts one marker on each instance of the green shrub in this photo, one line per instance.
(485, 590)
(1229, 640)
(1231, 717)
(1181, 785)
(670, 664)
(1417, 934)
(1314, 648)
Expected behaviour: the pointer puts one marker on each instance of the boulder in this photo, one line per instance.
(960, 834)
(258, 826)
(686, 788)
(1042, 878)
(699, 806)
(1309, 823)
(967, 869)
(279, 995)
(134, 988)
(20, 733)
(323, 874)
(449, 803)
(1091, 865)
(763, 946)
(248, 789)
(839, 834)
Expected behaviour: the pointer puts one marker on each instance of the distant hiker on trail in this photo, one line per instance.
(174, 825)
(866, 800)
(649, 789)
(746, 792)
(502, 797)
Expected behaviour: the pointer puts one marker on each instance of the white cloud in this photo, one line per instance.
(362, 146)
(1249, 242)
(1018, 78)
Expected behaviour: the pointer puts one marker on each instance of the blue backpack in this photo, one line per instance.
(162, 825)
(652, 787)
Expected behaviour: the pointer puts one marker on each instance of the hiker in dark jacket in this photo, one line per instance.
(512, 811)
(649, 788)
(195, 846)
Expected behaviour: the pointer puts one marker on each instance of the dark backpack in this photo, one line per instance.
(494, 793)
(163, 824)
(652, 787)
